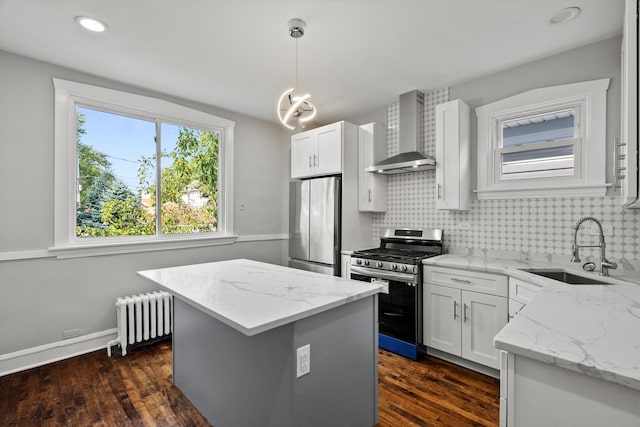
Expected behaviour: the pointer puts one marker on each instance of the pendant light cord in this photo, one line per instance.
(296, 86)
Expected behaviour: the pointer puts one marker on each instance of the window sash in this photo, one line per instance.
(545, 174)
(67, 95)
(100, 107)
(574, 109)
(559, 164)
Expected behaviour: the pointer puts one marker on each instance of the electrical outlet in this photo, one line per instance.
(71, 333)
(303, 357)
(464, 226)
(243, 205)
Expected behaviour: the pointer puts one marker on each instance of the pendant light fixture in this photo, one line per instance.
(292, 106)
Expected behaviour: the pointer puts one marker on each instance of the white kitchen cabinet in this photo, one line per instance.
(626, 158)
(453, 167)
(372, 148)
(317, 152)
(462, 316)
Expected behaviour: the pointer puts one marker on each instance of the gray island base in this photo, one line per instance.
(239, 372)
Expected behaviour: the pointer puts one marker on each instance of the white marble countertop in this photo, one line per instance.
(254, 297)
(590, 329)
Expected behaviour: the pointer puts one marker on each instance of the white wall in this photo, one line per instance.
(42, 297)
(591, 62)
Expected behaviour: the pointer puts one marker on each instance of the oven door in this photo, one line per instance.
(397, 309)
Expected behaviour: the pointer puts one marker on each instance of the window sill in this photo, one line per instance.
(117, 248)
(543, 192)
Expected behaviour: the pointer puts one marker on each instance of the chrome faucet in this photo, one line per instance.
(605, 264)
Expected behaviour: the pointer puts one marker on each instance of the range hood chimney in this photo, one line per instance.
(410, 158)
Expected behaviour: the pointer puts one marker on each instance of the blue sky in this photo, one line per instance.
(125, 140)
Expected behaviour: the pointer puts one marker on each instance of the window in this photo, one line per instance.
(137, 171)
(540, 146)
(545, 142)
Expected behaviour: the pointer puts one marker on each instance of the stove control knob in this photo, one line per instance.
(394, 266)
(404, 268)
(379, 264)
(358, 261)
(366, 262)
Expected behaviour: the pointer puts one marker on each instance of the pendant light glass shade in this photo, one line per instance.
(292, 106)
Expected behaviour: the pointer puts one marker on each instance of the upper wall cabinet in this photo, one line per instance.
(626, 152)
(317, 152)
(453, 168)
(372, 148)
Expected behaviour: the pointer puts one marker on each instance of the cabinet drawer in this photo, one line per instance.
(494, 284)
(522, 292)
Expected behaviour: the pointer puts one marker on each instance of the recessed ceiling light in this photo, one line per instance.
(565, 15)
(91, 24)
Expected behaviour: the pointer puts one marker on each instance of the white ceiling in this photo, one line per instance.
(356, 55)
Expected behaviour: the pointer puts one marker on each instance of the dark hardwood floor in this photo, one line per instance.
(433, 392)
(136, 390)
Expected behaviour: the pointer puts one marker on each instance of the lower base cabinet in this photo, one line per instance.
(461, 321)
(464, 323)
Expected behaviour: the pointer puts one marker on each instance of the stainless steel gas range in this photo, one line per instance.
(397, 263)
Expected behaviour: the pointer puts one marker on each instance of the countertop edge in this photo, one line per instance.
(592, 371)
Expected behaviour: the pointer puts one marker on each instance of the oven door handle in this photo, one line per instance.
(378, 274)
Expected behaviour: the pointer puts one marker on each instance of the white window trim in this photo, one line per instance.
(68, 95)
(590, 98)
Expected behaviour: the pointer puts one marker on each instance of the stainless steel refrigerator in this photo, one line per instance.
(314, 225)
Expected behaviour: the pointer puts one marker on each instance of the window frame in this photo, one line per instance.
(587, 100)
(68, 96)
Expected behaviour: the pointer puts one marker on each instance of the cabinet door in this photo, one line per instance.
(453, 179)
(482, 318)
(302, 152)
(441, 320)
(372, 188)
(328, 157)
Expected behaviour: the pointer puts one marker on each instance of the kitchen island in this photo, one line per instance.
(237, 329)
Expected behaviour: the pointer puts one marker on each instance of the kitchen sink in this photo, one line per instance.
(563, 276)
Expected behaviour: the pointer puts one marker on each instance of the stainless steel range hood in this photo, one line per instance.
(410, 158)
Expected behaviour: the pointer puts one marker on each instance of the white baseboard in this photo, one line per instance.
(48, 353)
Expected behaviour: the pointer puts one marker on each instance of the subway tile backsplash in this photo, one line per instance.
(527, 226)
